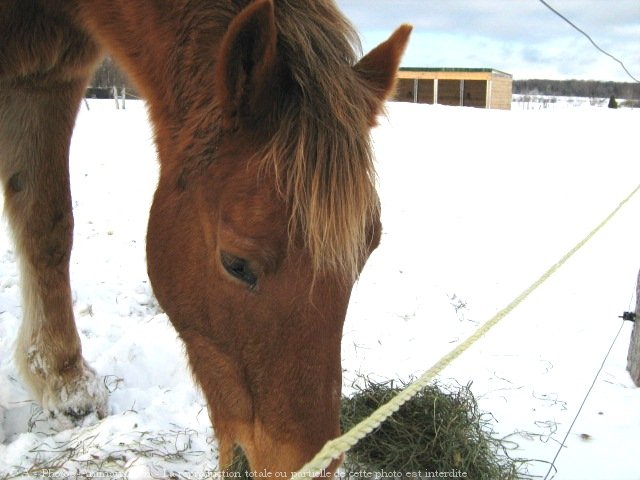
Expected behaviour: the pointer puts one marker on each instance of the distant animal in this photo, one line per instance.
(265, 211)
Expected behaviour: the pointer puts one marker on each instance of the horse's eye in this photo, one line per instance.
(238, 268)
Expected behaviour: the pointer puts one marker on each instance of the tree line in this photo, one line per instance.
(107, 76)
(578, 88)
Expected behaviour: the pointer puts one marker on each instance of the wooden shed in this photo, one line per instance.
(465, 87)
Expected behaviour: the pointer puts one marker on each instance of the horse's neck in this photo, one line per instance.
(156, 43)
(163, 47)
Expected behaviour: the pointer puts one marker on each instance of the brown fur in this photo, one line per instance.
(261, 116)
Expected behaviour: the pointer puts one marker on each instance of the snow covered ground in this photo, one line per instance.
(477, 204)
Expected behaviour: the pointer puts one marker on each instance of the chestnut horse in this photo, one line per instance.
(265, 211)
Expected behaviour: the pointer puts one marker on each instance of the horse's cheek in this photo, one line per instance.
(172, 252)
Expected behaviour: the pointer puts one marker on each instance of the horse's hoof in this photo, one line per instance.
(80, 402)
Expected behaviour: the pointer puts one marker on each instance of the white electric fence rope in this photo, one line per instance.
(333, 449)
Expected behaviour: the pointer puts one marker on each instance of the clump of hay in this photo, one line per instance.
(239, 467)
(439, 430)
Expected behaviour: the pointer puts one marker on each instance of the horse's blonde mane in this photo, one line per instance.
(320, 152)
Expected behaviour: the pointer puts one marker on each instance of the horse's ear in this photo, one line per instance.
(379, 67)
(248, 66)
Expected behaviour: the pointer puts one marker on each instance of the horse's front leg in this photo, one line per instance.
(36, 122)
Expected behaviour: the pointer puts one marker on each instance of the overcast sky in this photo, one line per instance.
(521, 37)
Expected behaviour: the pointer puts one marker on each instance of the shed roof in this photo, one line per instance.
(453, 69)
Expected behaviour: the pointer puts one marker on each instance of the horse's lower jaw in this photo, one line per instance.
(276, 459)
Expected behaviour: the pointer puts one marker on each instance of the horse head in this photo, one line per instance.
(255, 241)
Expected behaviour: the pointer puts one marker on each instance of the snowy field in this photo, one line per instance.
(477, 204)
